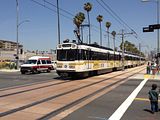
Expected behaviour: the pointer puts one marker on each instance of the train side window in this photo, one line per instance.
(80, 54)
(120, 57)
(85, 57)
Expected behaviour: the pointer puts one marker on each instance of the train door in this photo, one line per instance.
(88, 58)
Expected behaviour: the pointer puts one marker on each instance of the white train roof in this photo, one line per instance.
(93, 48)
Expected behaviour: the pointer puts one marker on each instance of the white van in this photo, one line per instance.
(36, 64)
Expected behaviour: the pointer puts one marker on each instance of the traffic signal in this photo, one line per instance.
(147, 29)
(154, 26)
(151, 28)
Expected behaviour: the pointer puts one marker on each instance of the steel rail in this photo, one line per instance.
(61, 94)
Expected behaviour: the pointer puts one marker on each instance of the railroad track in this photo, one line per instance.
(62, 95)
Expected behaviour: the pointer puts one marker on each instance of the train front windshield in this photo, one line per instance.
(67, 55)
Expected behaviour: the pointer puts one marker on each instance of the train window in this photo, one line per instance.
(67, 55)
(80, 54)
(116, 57)
(111, 57)
(119, 57)
(92, 55)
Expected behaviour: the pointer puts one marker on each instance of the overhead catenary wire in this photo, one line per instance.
(117, 18)
(43, 5)
(62, 10)
(66, 12)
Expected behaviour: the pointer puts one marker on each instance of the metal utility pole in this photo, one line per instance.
(82, 26)
(158, 49)
(123, 57)
(17, 13)
(140, 52)
(58, 19)
(158, 10)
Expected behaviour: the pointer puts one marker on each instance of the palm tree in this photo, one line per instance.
(113, 34)
(88, 7)
(100, 19)
(108, 24)
(78, 20)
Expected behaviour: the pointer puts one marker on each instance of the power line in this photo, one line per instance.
(69, 13)
(50, 9)
(65, 11)
(59, 8)
(117, 18)
(116, 15)
(56, 11)
(110, 13)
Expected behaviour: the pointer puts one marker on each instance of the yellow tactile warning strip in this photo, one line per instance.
(147, 76)
(150, 76)
(143, 99)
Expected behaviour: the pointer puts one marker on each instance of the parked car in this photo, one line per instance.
(54, 64)
(36, 64)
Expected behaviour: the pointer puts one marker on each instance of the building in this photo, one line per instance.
(8, 52)
(9, 45)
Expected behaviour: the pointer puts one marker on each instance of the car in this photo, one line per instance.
(36, 64)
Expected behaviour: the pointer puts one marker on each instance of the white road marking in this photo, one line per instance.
(124, 106)
(97, 118)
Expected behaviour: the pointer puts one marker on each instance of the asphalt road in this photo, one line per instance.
(104, 107)
(101, 108)
(10, 79)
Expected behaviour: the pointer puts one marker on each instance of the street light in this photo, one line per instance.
(157, 2)
(17, 26)
(58, 20)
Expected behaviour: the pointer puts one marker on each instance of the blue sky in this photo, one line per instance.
(41, 32)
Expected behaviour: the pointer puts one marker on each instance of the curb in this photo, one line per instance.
(9, 70)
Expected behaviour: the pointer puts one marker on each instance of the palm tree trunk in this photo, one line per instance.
(82, 34)
(89, 28)
(108, 38)
(114, 44)
(100, 34)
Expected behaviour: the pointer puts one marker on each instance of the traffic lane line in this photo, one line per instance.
(124, 106)
(106, 103)
(80, 105)
(140, 110)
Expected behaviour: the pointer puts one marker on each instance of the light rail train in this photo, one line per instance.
(82, 60)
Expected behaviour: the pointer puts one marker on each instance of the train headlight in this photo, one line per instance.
(59, 46)
(73, 46)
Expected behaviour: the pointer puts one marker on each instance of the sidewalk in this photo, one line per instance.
(157, 76)
(9, 70)
(154, 77)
